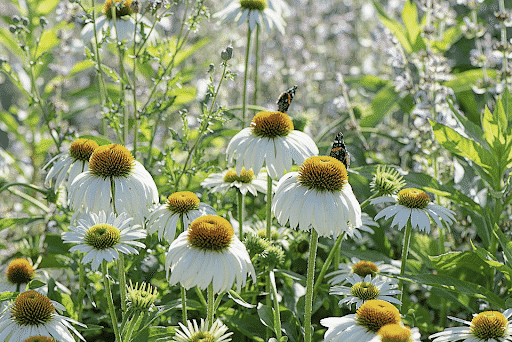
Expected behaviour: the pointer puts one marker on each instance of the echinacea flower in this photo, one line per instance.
(362, 268)
(487, 326)
(255, 12)
(397, 333)
(271, 140)
(363, 325)
(18, 274)
(127, 23)
(209, 253)
(70, 164)
(183, 204)
(366, 226)
(141, 297)
(413, 204)
(386, 181)
(39, 338)
(362, 290)
(33, 314)
(102, 237)
(244, 182)
(115, 182)
(194, 332)
(318, 196)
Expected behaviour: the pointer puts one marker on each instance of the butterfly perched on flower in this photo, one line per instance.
(339, 150)
(284, 100)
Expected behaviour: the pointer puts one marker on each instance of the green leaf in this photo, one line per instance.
(47, 41)
(410, 19)
(266, 314)
(394, 27)
(110, 72)
(13, 222)
(101, 140)
(506, 101)
(35, 284)
(8, 296)
(46, 6)
(465, 80)
(490, 260)
(493, 126)
(450, 37)
(152, 334)
(381, 105)
(239, 300)
(80, 66)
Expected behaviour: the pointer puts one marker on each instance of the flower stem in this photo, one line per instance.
(309, 286)
(133, 322)
(244, 95)
(110, 302)
(268, 234)
(122, 283)
(240, 214)
(256, 59)
(210, 308)
(335, 251)
(183, 290)
(405, 251)
(81, 291)
(277, 315)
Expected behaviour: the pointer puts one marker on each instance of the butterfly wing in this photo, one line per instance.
(339, 150)
(285, 99)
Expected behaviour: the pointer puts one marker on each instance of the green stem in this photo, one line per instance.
(256, 60)
(246, 70)
(240, 214)
(309, 286)
(335, 252)
(210, 308)
(110, 302)
(81, 291)
(268, 235)
(133, 322)
(405, 251)
(183, 304)
(122, 283)
(277, 315)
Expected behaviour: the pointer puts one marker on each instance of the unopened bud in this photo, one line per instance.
(227, 54)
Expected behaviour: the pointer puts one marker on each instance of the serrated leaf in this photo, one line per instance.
(493, 128)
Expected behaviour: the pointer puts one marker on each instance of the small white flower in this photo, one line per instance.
(33, 314)
(413, 204)
(366, 289)
(245, 182)
(361, 268)
(180, 204)
(102, 237)
(271, 140)
(192, 332)
(319, 197)
(209, 253)
(487, 326)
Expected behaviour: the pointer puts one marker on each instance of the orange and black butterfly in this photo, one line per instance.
(339, 150)
(284, 100)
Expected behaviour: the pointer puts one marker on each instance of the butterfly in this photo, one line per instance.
(339, 150)
(284, 100)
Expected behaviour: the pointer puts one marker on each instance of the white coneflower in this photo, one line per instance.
(70, 164)
(362, 268)
(18, 274)
(195, 333)
(115, 182)
(319, 197)
(34, 314)
(487, 326)
(180, 204)
(397, 333)
(245, 182)
(271, 140)
(413, 204)
(209, 253)
(101, 237)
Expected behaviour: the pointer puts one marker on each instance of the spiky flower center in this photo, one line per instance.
(413, 198)
(102, 236)
(375, 313)
(364, 291)
(259, 5)
(82, 149)
(245, 177)
(323, 173)
(122, 8)
(387, 181)
(141, 297)
(182, 202)
(202, 336)
(32, 308)
(363, 268)
(20, 271)
(394, 333)
(210, 233)
(489, 325)
(271, 124)
(111, 161)
(39, 339)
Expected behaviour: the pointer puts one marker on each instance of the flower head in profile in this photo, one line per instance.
(245, 182)
(141, 297)
(271, 140)
(183, 204)
(32, 314)
(362, 268)
(126, 23)
(18, 274)
(386, 181)
(363, 325)
(209, 253)
(115, 182)
(487, 326)
(362, 290)
(255, 12)
(102, 237)
(39, 338)
(414, 205)
(319, 197)
(70, 164)
(397, 333)
(194, 332)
